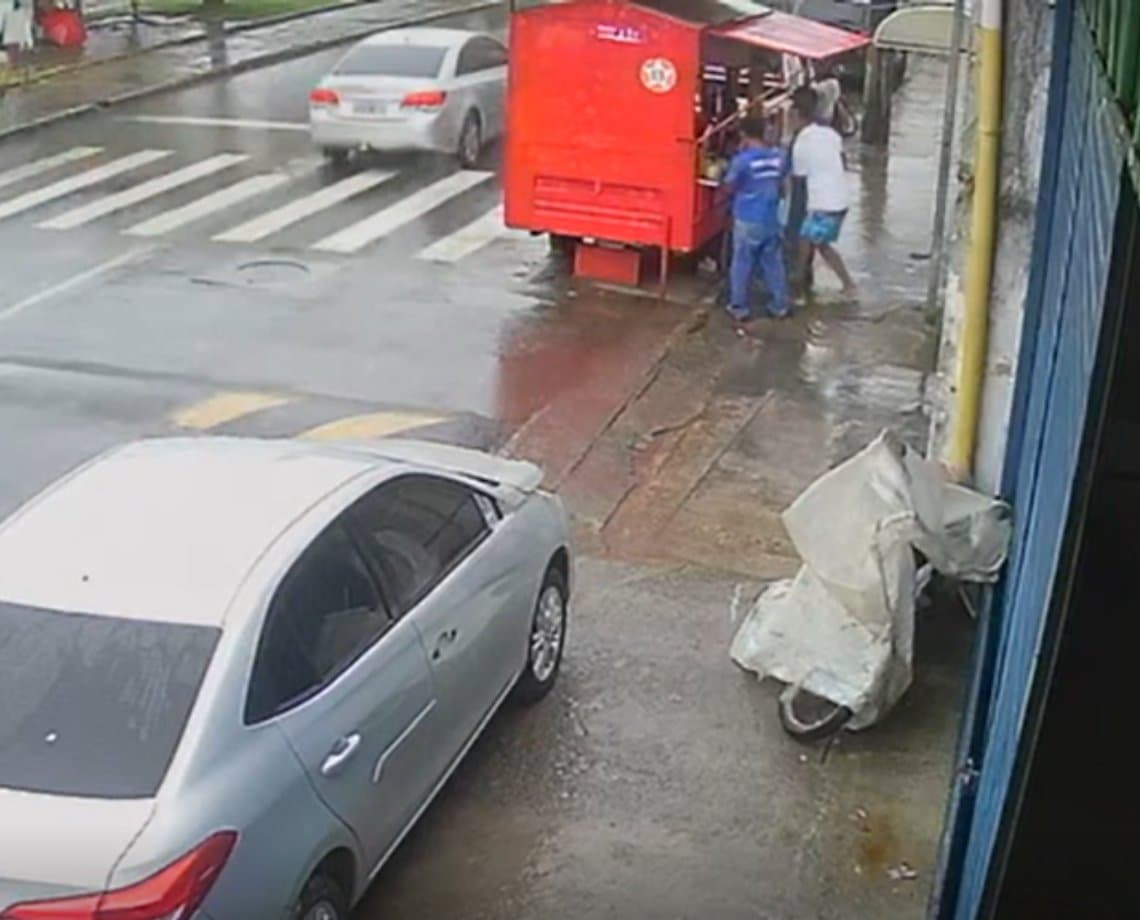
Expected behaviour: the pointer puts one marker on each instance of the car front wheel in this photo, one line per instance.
(547, 639)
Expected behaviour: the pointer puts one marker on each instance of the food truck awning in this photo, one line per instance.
(762, 26)
(807, 38)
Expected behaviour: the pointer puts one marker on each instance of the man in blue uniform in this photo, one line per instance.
(756, 178)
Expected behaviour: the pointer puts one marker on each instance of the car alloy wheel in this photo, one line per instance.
(470, 141)
(547, 632)
(547, 638)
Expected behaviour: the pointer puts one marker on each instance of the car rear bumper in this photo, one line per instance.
(415, 132)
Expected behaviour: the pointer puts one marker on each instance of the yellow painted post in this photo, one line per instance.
(970, 375)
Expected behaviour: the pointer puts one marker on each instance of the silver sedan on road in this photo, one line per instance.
(235, 672)
(413, 89)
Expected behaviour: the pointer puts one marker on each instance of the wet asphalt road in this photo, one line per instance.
(146, 320)
(656, 782)
(110, 328)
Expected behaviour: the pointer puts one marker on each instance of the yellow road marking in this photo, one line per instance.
(225, 407)
(371, 425)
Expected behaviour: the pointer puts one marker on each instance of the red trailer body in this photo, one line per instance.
(604, 121)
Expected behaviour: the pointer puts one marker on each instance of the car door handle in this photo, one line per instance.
(340, 754)
(445, 639)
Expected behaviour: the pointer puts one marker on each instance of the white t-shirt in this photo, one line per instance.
(817, 156)
(827, 92)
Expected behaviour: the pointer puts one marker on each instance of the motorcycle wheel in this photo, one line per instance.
(815, 727)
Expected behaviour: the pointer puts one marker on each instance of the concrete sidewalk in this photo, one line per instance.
(723, 431)
(677, 504)
(129, 60)
(732, 430)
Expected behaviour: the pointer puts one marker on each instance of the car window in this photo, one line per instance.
(418, 528)
(468, 60)
(325, 614)
(495, 54)
(480, 54)
(94, 706)
(392, 61)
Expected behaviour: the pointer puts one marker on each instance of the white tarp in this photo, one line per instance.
(843, 628)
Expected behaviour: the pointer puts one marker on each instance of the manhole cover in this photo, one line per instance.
(273, 271)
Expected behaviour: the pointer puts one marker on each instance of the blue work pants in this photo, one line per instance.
(757, 249)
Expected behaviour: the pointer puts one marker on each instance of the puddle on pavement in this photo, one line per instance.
(855, 375)
(555, 349)
(517, 787)
(888, 229)
(877, 845)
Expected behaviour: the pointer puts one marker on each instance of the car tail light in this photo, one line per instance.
(427, 99)
(323, 96)
(174, 893)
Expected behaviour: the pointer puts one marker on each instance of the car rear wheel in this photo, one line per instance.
(470, 141)
(547, 639)
(336, 156)
(322, 899)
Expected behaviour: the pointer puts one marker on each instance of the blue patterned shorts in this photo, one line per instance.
(822, 227)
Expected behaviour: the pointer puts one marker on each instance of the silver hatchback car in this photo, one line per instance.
(234, 673)
(413, 89)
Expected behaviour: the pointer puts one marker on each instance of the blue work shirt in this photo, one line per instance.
(755, 177)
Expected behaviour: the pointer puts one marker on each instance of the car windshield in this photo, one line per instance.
(392, 61)
(94, 706)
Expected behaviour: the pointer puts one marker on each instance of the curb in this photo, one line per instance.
(684, 327)
(247, 25)
(201, 34)
(253, 63)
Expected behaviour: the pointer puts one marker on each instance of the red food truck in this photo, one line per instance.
(620, 118)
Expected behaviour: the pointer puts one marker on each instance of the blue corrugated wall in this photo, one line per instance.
(1060, 339)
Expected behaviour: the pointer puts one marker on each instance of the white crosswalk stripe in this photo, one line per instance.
(383, 222)
(86, 179)
(137, 194)
(470, 239)
(201, 208)
(176, 201)
(30, 170)
(287, 215)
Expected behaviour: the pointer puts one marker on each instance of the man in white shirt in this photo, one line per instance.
(817, 157)
(827, 93)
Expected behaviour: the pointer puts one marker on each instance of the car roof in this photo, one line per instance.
(168, 529)
(424, 36)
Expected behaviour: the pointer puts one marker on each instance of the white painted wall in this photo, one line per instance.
(1026, 93)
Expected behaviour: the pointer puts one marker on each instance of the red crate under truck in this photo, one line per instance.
(619, 113)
